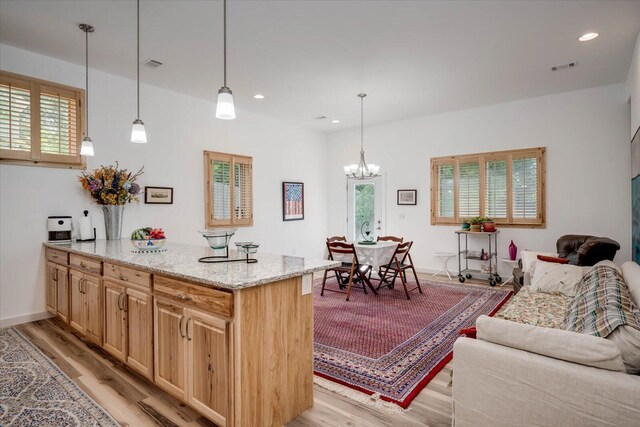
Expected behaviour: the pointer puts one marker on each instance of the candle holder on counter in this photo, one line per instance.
(219, 241)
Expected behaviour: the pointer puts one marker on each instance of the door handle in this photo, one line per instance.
(189, 320)
(125, 303)
(84, 286)
(180, 326)
(120, 302)
(55, 278)
(80, 283)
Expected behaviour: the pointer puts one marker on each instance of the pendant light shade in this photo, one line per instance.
(362, 170)
(86, 149)
(225, 108)
(138, 132)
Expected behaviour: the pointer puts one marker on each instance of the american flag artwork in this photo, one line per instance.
(293, 201)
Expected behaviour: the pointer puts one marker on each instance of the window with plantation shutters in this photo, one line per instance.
(469, 189)
(229, 189)
(40, 122)
(506, 186)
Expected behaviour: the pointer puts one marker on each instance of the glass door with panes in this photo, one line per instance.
(365, 208)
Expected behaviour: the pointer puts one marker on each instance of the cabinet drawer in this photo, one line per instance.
(127, 275)
(208, 299)
(57, 256)
(86, 264)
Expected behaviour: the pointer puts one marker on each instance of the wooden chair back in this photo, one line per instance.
(390, 239)
(401, 252)
(342, 248)
(336, 239)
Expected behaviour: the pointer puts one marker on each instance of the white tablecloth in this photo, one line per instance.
(374, 255)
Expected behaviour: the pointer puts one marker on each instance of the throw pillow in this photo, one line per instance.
(631, 275)
(552, 277)
(555, 259)
(529, 259)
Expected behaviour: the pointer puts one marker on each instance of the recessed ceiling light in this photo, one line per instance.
(335, 121)
(588, 36)
(258, 96)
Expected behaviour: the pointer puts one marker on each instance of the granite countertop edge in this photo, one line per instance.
(195, 279)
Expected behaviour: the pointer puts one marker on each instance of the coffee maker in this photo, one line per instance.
(59, 229)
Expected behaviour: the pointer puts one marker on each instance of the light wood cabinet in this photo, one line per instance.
(86, 305)
(208, 365)
(128, 326)
(51, 289)
(115, 320)
(170, 347)
(62, 293)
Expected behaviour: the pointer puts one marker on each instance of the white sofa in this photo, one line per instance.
(503, 380)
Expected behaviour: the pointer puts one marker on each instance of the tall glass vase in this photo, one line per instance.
(113, 221)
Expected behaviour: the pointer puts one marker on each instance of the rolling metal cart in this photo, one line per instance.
(467, 273)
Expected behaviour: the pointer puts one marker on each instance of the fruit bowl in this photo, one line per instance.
(219, 238)
(148, 244)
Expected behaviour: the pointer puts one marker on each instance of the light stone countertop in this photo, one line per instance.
(180, 261)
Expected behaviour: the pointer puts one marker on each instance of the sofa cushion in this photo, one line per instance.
(564, 345)
(536, 308)
(529, 259)
(631, 275)
(628, 341)
(552, 277)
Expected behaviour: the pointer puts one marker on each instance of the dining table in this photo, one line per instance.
(375, 255)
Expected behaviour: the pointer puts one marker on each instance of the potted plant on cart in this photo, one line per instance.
(476, 223)
(466, 224)
(488, 225)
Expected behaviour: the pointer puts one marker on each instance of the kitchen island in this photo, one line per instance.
(232, 340)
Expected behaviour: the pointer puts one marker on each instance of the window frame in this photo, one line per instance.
(35, 157)
(233, 159)
(509, 155)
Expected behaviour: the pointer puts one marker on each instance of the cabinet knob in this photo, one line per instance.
(124, 279)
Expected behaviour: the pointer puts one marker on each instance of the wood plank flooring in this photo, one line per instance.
(134, 401)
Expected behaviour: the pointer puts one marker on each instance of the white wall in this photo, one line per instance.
(179, 128)
(588, 187)
(633, 88)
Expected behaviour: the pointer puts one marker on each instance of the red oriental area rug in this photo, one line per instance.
(389, 345)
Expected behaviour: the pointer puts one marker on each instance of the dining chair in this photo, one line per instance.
(398, 265)
(356, 272)
(340, 277)
(390, 239)
(336, 239)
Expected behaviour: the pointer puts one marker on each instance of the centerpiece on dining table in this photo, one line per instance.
(367, 235)
(112, 188)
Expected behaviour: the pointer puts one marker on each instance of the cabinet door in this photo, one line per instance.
(93, 308)
(115, 320)
(76, 312)
(62, 293)
(170, 348)
(139, 309)
(50, 291)
(208, 364)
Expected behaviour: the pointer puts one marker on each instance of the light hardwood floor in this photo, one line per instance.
(134, 401)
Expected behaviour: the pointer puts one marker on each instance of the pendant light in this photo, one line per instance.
(86, 149)
(138, 133)
(225, 109)
(362, 171)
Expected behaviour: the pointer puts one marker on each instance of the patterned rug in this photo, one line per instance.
(35, 392)
(389, 346)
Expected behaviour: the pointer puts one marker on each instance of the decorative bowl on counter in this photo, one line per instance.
(148, 244)
(218, 238)
(247, 247)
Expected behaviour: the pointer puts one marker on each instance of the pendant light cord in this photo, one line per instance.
(86, 77)
(224, 38)
(362, 124)
(138, 56)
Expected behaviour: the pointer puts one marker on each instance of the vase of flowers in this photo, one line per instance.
(112, 188)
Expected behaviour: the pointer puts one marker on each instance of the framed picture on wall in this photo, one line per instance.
(407, 197)
(292, 201)
(158, 195)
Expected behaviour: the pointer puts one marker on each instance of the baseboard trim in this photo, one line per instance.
(26, 318)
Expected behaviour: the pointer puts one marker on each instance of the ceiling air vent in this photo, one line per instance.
(152, 63)
(564, 66)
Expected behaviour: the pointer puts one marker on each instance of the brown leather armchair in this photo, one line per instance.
(586, 250)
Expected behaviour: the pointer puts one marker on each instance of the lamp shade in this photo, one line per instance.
(138, 133)
(225, 109)
(86, 149)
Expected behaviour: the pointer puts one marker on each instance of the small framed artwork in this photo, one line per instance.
(158, 195)
(407, 197)
(292, 201)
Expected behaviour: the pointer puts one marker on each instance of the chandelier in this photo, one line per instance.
(362, 170)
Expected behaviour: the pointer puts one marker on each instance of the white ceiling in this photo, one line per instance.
(311, 58)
